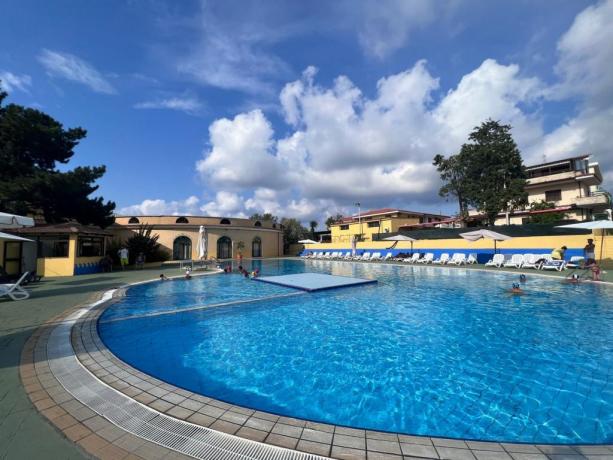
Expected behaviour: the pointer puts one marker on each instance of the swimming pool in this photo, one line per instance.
(427, 350)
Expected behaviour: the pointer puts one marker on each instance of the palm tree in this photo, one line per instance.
(313, 224)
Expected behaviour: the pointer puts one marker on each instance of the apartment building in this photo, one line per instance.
(378, 221)
(572, 185)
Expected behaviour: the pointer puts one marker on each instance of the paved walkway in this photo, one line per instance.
(20, 422)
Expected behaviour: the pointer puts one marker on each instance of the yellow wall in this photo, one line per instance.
(59, 266)
(355, 228)
(272, 240)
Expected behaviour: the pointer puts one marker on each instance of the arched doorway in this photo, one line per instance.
(224, 248)
(182, 248)
(256, 247)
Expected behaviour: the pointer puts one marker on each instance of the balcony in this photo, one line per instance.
(592, 201)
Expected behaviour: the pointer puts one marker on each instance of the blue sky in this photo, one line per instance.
(303, 108)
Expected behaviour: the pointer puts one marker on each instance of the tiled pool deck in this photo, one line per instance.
(103, 439)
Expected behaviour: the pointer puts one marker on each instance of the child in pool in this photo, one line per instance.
(516, 290)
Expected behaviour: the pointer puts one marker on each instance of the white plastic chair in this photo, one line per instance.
(14, 290)
(516, 261)
(427, 259)
(442, 260)
(458, 258)
(472, 259)
(496, 261)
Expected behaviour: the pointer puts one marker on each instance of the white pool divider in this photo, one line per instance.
(142, 421)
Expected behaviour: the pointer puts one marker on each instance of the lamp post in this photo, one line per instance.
(359, 218)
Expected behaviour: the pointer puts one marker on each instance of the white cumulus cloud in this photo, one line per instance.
(161, 207)
(73, 68)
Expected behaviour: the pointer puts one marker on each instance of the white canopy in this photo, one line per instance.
(202, 242)
(9, 237)
(593, 225)
(399, 238)
(486, 235)
(307, 242)
(15, 221)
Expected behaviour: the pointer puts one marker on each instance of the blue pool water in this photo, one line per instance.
(426, 350)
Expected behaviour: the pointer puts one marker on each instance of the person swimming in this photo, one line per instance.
(522, 278)
(188, 274)
(516, 289)
(573, 278)
(163, 277)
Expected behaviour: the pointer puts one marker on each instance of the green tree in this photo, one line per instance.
(333, 220)
(546, 217)
(453, 174)
(266, 217)
(32, 144)
(293, 231)
(145, 241)
(487, 173)
(313, 225)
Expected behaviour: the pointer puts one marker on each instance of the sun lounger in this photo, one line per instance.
(530, 261)
(442, 260)
(516, 261)
(387, 257)
(472, 259)
(554, 264)
(427, 259)
(375, 256)
(348, 256)
(14, 290)
(575, 262)
(496, 261)
(458, 258)
(365, 256)
(414, 258)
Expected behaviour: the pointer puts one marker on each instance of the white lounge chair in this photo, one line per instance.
(575, 262)
(496, 261)
(427, 259)
(365, 256)
(442, 260)
(413, 259)
(387, 257)
(554, 264)
(14, 290)
(472, 259)
(348, 256)
(375, 256)
(516, 261)
(458, 258)
(530, 261)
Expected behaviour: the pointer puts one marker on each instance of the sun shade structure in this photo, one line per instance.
(8, 237)
(593, 225)
(486, 235)
(202, 242)
(307, 242)
(397, 238)
(15, 221)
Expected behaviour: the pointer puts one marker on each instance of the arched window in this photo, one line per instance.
(256, 247)
(134, 220)
(182, 220)
(257, 223)
(182, 248)
(224, 248)
(225, 222)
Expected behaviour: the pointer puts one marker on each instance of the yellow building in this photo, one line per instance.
(178, 235)
(56, 250)
(377, 222)
(572, 185)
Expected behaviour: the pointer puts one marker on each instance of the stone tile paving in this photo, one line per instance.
(104, 440)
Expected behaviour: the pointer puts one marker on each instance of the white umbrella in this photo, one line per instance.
(593, 225)
(307, 242)
(202, 242)
(9, 237)
(15, 221)
(486, 235)
(397, 238)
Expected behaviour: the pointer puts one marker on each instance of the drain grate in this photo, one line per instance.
(140, 420)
